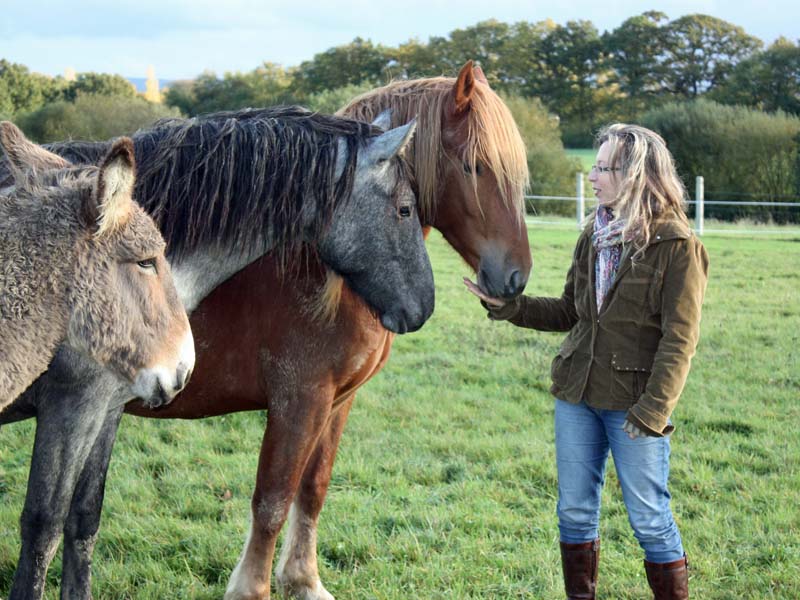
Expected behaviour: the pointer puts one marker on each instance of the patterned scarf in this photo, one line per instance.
(607, 240)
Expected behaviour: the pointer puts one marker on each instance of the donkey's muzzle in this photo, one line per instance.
(182, 376)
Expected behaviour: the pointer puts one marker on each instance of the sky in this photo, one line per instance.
(183, 38)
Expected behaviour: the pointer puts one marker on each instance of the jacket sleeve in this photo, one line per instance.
(682, 294)
(539, 312)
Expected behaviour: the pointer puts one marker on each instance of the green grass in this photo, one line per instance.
(586, 156)
(445, 481)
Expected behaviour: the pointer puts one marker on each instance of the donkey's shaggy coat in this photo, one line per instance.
(62, 232)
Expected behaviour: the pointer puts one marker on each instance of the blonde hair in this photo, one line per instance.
(649, 187)
(492, 135)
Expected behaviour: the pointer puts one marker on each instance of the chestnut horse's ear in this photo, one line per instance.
(465, 85)
(478, 73)
(110, 204)
(23, 154)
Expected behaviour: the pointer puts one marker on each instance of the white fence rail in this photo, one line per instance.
(699, 201)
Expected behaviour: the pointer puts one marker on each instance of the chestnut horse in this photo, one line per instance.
(470, 166)
(226, 189)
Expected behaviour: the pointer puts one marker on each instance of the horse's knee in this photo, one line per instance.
(269, 515)
(40, 524)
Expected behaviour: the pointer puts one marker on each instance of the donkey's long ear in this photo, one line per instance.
(110, 204)
(463, 88)
(391, 143)
(24, 155)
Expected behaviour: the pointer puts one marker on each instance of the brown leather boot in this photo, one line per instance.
(669, 581)
(579, 563)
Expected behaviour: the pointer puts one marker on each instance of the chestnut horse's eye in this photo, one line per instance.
(405, 210)
(468, 168)
(148, 264)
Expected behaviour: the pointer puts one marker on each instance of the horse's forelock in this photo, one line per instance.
(492, 135)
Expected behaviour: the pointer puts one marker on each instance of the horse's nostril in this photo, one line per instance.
(515, 284)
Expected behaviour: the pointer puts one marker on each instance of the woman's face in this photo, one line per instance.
(605, 183)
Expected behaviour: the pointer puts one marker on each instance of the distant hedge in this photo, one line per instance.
(742, 154)
(91, 117)
(552, 171)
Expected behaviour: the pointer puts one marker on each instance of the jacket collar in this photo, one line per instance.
(662, 231)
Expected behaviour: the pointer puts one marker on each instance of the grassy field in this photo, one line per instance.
(445, 483)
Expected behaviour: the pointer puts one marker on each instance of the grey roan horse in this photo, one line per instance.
(225, 190)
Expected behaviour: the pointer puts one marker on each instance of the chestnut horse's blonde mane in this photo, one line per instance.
(492, 135)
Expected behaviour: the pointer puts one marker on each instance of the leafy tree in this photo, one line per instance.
(571, 56)
(635, 51)
(552, 171)
(417, 59)
(181, 95)
(739, 151)
(267, 85)
(22, 90)
(525, 62)
(92, 117)
(485, 43)
(329, 101)
(353, 63)
(701, 51)
(769, 80)
(100, 84)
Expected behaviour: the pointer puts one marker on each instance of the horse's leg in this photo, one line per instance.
(65, 431)
(294, 423)
(297, 573)
(83, 520)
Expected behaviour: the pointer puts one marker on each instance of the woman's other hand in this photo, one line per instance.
(632, 430)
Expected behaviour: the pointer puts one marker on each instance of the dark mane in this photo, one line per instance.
(227, 178)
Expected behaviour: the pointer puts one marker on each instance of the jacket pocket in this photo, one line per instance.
(640, 288)
(559, 368)
(629, 375)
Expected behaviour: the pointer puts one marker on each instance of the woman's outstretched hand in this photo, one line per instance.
(489, 300)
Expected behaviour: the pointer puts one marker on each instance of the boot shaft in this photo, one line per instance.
(669, 581)
(579, 563)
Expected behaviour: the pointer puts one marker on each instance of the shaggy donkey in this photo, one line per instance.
(81, 262)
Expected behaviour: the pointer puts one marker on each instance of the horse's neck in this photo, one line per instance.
(198, 272)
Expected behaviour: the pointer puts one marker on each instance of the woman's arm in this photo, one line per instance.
(682, 298)
(533, 312)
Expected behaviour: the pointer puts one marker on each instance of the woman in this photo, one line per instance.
(631, 305)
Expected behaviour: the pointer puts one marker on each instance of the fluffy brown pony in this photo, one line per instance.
(81, 262)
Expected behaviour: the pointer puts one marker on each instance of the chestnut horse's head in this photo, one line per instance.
(123, 308)
(470, 168)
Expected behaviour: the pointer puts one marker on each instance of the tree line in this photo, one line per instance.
(682, 77)
(584, 77)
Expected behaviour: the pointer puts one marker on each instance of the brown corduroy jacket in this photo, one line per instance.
(634, 354)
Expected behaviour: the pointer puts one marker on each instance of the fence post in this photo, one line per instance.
(579, 197)
(699, 208)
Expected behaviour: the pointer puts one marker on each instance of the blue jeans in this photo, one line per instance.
(584, 435)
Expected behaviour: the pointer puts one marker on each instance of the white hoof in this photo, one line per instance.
(316, 592)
